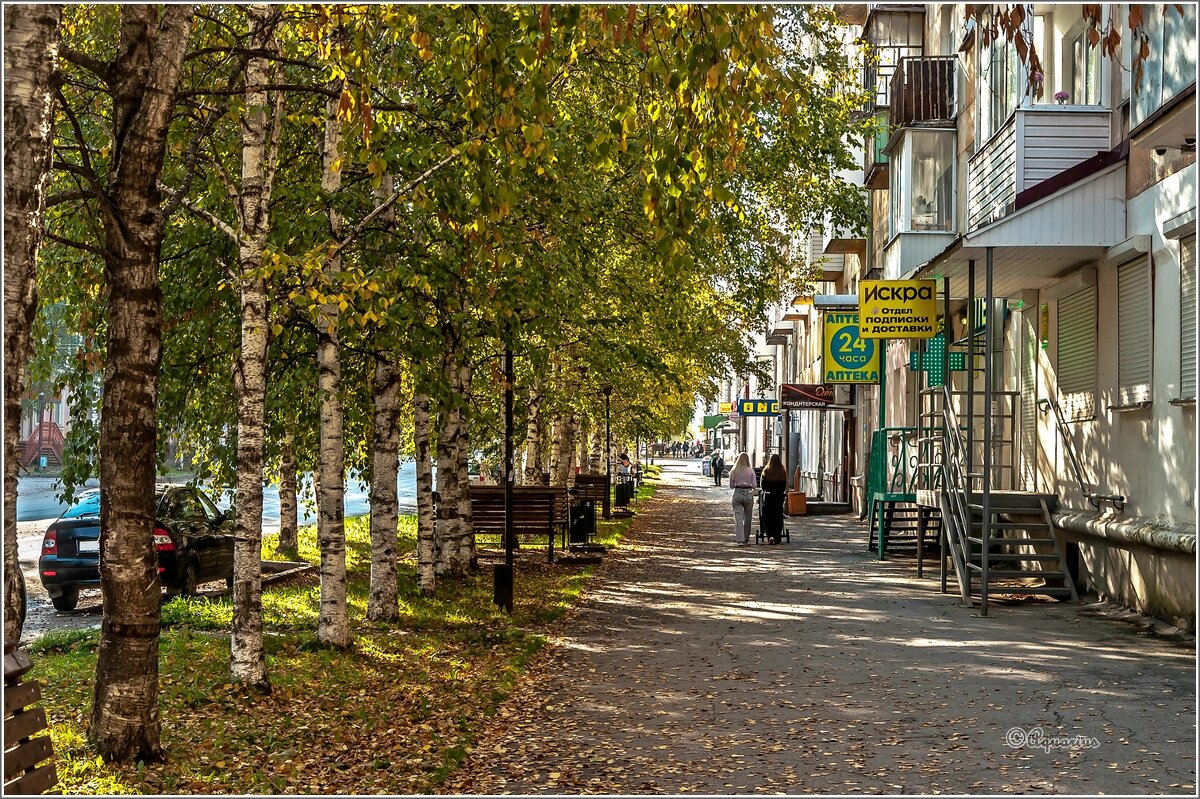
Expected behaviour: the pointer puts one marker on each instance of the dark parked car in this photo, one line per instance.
(194, 541)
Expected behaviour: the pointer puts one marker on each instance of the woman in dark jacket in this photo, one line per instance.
(774, 492)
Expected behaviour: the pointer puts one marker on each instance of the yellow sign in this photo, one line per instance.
(848, 358)
(898, 308)
(726, 407)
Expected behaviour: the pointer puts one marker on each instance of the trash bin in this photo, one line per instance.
(583, 522)
(623, 492)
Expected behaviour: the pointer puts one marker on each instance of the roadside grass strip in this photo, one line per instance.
(395, 713)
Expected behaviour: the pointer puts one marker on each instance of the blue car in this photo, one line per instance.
(193, 540)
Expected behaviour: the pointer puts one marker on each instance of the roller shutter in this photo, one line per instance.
(1187, 316)
(1134, 332)
(1077, 354)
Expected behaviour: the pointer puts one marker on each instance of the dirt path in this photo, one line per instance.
(698, 666)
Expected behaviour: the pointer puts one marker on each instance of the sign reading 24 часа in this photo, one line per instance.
(848, 357)
(758, 407)
(897, 309)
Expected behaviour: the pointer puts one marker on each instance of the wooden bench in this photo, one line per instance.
(25, 771)
(590, 486)
(537, 511)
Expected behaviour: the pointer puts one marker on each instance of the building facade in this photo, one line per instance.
(1077, 204)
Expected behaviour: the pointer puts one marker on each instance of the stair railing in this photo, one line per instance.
(955, 489)
(1094, 498)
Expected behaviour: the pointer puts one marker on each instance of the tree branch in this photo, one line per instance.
(79, 245)
(100, 69)
(389, 202)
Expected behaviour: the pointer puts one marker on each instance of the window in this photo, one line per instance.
(998, 86)
(1076, 365)
(1044, 45)
(1029, 393)
(922, 183)
(1187, 316)
(1135, 293)
(1084, 69)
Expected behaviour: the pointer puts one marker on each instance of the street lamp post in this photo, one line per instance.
(41, 413)
(607, 454)
(502, 586)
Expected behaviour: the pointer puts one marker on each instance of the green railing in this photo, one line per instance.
(892, 468)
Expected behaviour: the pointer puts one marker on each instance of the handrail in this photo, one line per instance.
(1094, 498)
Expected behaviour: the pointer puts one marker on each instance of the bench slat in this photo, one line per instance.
(23, 725)
(37, 781)
(26, 756)
(21, 696)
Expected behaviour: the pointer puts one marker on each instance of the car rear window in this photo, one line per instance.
(87, 505)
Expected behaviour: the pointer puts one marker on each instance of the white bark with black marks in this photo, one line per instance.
(534, 455)
(383, 601)
(288, 511)
(333, 622)
(427, 543)
(31, 37)
(260, 148)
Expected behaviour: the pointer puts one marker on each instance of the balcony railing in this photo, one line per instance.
(924, 90)
(1034, 145)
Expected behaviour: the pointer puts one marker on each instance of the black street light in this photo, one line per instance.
(607, 455)
(502, 585)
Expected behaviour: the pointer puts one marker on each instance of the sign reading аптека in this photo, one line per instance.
(897, 309)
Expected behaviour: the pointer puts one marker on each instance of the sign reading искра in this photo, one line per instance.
(897, 309)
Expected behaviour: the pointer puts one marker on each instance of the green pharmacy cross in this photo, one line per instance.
(931, 361)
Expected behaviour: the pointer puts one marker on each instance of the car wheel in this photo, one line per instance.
(68, 600)
(191, 579)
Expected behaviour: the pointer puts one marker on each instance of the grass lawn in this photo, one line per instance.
(393, 714)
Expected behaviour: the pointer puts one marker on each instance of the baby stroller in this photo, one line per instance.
(760, 537)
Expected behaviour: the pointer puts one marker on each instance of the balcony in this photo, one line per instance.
(1035, 145)
(892, 33)
(924, 91)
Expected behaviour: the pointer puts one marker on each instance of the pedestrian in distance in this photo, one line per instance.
(718, 466)
(770, 506)
(744, 484)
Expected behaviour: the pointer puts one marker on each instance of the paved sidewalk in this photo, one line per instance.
(699, 666)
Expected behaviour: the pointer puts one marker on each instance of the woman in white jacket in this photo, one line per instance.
(744, 483)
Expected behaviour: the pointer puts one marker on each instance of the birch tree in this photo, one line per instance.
(31, 38)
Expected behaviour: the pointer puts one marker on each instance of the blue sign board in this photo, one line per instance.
(758, 407)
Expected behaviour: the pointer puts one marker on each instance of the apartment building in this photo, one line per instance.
(1060, 228)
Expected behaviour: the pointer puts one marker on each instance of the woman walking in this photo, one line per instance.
(743, 482)
(774, 490)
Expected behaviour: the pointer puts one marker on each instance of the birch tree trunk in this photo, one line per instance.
(288, 517)
(585, 436)
(31, 34)
(260, 146)
(466, 557)
(426, 523)
(534, 457)
(564, 448)
(595, 461)
(383, 602)
(456, 549)
(333, 623)
(124, 719)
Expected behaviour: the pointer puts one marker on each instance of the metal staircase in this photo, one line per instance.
(981, 529)
(891, 482)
